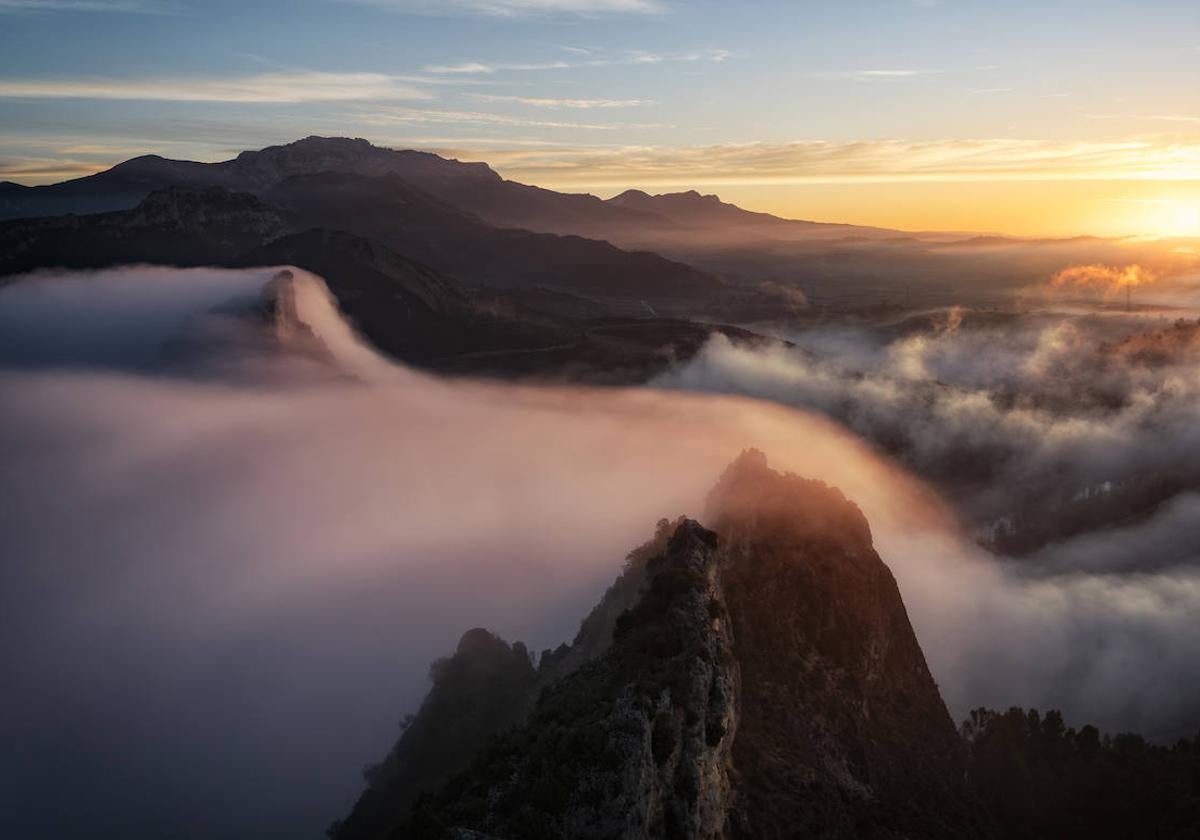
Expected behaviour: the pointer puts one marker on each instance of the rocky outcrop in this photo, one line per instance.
(633, 744)
(239, 217)
(763, 682)
(844, 733)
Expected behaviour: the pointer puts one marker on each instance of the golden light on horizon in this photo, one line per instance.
(1186, 221)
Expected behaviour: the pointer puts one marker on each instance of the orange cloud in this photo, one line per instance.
(1110, 278)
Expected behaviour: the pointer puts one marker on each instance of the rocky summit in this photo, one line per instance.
(753, 676)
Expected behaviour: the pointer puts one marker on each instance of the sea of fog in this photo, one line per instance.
(230, 548)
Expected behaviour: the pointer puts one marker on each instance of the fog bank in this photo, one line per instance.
(223, 582)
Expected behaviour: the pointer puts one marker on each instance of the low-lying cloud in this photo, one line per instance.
(224, 580)
(1110, 279)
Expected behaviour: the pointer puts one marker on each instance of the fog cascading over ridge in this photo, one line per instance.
(228, 568)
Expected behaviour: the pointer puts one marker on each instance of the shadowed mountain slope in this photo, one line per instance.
(405, 217)
(411, 308)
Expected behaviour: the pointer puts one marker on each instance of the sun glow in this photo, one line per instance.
(1186, 221)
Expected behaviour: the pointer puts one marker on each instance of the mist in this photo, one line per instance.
(1065, 440)
(227, 570)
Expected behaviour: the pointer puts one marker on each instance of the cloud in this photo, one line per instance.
(714, 56)
(584, 104)
(250, 565)
(818, 161)
(889, 74)
(1093, 417)
(1071, 436)
(1111, 279)
(471, 67)
(466, 67)
(48, 169)
(521, 8)
(228, 587)
(417, 116)
(1190, 119)
(627, 57)
(64, 6)
(264, 88)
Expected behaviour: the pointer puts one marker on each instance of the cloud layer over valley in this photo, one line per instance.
(234, 547)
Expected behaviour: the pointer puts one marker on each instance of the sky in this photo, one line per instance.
(1042, 118)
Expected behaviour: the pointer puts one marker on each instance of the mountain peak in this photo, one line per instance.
(315, 154)
(764, 682)
(315, 142)
(630, 196)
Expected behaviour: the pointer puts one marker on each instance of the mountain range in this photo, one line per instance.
(400, 238)
(680, 255)
(470, 187)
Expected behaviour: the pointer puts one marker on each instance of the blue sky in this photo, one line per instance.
(591, 94)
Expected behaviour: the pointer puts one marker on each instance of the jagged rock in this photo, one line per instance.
(844, 732)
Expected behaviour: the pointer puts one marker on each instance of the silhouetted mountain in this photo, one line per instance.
(467, 221)
(125, 184)
(473, 188)
(697, 224)
(763, 681)
(460, 218)
(510, 204)
(692, 209)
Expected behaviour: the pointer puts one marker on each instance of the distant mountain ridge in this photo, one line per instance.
(424, 282)
(473, 187)
(127, 183)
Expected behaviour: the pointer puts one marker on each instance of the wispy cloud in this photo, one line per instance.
(863, 161)
(1191, 119)
(626, 57)
(37, 169)
(266, 87)
(646, 57)
(989, 91)
(51, 6)
(454, 69)
(520, 8)
(892, 73)
(419, 116)
(471, 67)
(542, 102)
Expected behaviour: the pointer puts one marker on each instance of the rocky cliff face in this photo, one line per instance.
(843, 731)
(764, 681)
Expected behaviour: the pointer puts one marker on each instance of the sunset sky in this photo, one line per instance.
(1043, 118)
